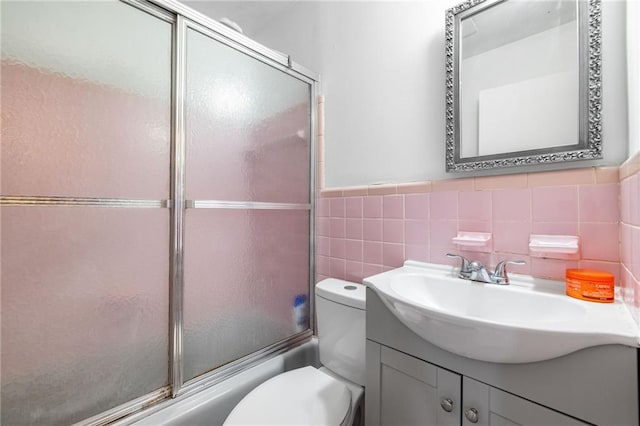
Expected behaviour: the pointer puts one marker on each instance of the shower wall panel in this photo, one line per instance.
(84, 310)
(68, 137)
(278, 167)
(248, 141)
(243, 114)
(86, 104)
(85, 107)
(243, 270)
(85, 270)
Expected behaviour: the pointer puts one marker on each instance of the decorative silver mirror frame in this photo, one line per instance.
(589, 146)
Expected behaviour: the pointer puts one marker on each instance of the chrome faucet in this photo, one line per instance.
(465, 266)
(476, 271)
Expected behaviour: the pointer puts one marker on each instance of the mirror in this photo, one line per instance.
(523, 83)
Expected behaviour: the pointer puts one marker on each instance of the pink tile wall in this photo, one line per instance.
(630, 234)
(366, 234)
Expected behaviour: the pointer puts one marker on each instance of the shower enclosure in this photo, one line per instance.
(156, 206)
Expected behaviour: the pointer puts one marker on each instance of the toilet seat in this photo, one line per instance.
(305, 396)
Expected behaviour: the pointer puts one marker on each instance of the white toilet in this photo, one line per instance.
(330, 395)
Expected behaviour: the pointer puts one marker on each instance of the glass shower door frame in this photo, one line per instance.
(97, 205)
(183, 18)
(181, 385)
(186, 18)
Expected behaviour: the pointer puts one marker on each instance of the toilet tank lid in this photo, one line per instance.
(340, 291)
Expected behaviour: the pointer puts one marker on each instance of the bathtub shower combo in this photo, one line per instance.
(157, 209)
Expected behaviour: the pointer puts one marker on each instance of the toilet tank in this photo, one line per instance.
(340, 310)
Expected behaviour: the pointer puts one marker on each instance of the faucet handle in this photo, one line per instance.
(500, 275)
(464, 265)
(476, 266)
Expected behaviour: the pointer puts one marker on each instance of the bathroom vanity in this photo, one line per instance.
(411, 381)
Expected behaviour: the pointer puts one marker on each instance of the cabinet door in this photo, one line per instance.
(413, 392)
(487, 406)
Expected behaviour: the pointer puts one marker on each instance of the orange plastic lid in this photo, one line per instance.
(589, 275)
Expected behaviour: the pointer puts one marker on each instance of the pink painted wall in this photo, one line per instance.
(363, 231)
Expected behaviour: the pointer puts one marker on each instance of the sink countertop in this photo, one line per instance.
(529, 320)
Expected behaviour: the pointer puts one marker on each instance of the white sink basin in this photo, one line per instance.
(528, 320)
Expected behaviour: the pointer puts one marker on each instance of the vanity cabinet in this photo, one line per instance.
(412, 382)
(415, 392)
(489, 406)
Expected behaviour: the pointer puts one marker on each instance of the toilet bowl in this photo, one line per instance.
(331, 394)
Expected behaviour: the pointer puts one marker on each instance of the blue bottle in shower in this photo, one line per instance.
(300, 313)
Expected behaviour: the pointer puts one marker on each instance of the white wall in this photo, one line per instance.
(382, 69)
(633, 49)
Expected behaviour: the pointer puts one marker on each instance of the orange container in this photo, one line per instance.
(591, 285)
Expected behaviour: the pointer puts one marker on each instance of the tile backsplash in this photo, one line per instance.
(362, 231)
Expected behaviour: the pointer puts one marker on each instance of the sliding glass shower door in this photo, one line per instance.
(155, 206)
(85, 226)
(247, 190)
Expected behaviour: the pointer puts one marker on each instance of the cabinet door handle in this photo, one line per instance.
(472, 415)
(446, 404)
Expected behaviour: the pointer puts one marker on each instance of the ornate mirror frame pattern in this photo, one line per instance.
(589, 146)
